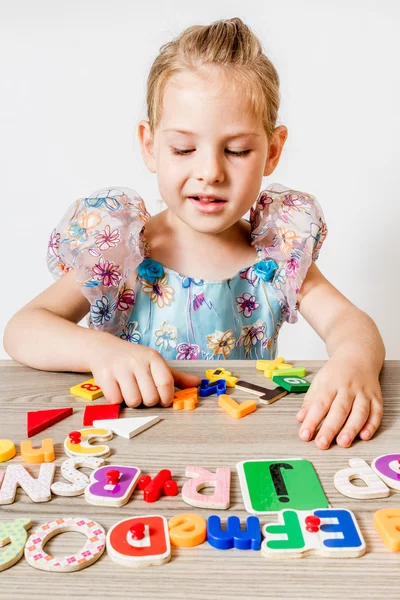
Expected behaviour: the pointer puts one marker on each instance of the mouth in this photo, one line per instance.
(207, 205)
(206, 200)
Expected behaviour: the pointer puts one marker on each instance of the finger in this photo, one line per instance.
(147, 387)
(357, 419)
(185, 380)
(374, 419)
(340, 409)
(317, 411)
(111, 389)
(300, 416)
(163, 380)
(130, 389)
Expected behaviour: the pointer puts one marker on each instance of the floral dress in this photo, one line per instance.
(102, 237)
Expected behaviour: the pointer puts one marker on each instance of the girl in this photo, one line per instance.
(197, 281)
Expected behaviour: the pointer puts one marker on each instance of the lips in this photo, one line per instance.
(207, 199)
(207, 205)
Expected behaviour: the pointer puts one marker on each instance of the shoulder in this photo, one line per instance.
(116, 202)
(289, 227)
(100, 236)
(284, 218)
(90, 219)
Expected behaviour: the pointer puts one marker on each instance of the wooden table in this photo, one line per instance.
(206, 437)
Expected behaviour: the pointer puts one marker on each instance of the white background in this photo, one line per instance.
(72, 91)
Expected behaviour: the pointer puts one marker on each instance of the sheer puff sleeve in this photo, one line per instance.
(101, 238)
(288, 227)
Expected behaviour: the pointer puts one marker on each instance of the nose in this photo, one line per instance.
(209, 167)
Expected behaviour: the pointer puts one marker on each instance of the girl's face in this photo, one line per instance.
(207, 143)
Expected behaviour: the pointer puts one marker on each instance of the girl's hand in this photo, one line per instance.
(347, 394)
(134, 373)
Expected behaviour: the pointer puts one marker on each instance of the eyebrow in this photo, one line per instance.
(228, 137)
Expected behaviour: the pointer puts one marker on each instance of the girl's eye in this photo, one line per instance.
(185, 152)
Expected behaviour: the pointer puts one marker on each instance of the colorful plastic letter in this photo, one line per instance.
(84, 445)
(262, 365)
(87, 555)
(38, 489)
(268, 484)
(299, 532)
(265, 395)
(294, 385)
(187, 530)
(208, 388)
(78, 480)
(7, 450)
(111, 489)
(221, 373)
(202, 478)
(233, 536)
(284, 367)
(139, 541)
(188, 402)
(14, 533)
(234, 409)
(161, 483)
(282, 372)
(38, 455)
(359, 469)
(387, 467)
(185, 392)
(88, 390)
(387, 524)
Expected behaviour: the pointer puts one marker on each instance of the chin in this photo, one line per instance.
(210, 227)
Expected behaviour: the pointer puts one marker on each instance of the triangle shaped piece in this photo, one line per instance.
(127, 428)
(39, 420)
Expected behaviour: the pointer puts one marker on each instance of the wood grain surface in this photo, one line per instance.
(207, 437)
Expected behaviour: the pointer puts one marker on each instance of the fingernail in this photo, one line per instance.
(344, 439)
(305, 435)
(366, 434)
(301, 411)
(322, 441)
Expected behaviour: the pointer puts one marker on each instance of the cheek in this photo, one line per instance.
(171, 180)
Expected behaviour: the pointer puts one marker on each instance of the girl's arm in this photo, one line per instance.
(346, 391)
(44, 334)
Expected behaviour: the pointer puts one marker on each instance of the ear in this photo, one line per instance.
(146, 145)
(276, 143)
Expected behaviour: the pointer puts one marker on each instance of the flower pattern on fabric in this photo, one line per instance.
(160, 293)
(101, 310)
(221, 343)
(250, 275)
(187, 351)
(107, 273)
(247, 304)
(54, 243)
(126, 299)
(80, 229)
(130, 333)
(166, 336)
(287, 225)
(107, 239)
(251, 334)
(132, 296)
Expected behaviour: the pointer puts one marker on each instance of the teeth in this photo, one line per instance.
(205, 199)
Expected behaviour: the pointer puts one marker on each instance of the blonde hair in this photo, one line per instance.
(230, 45)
